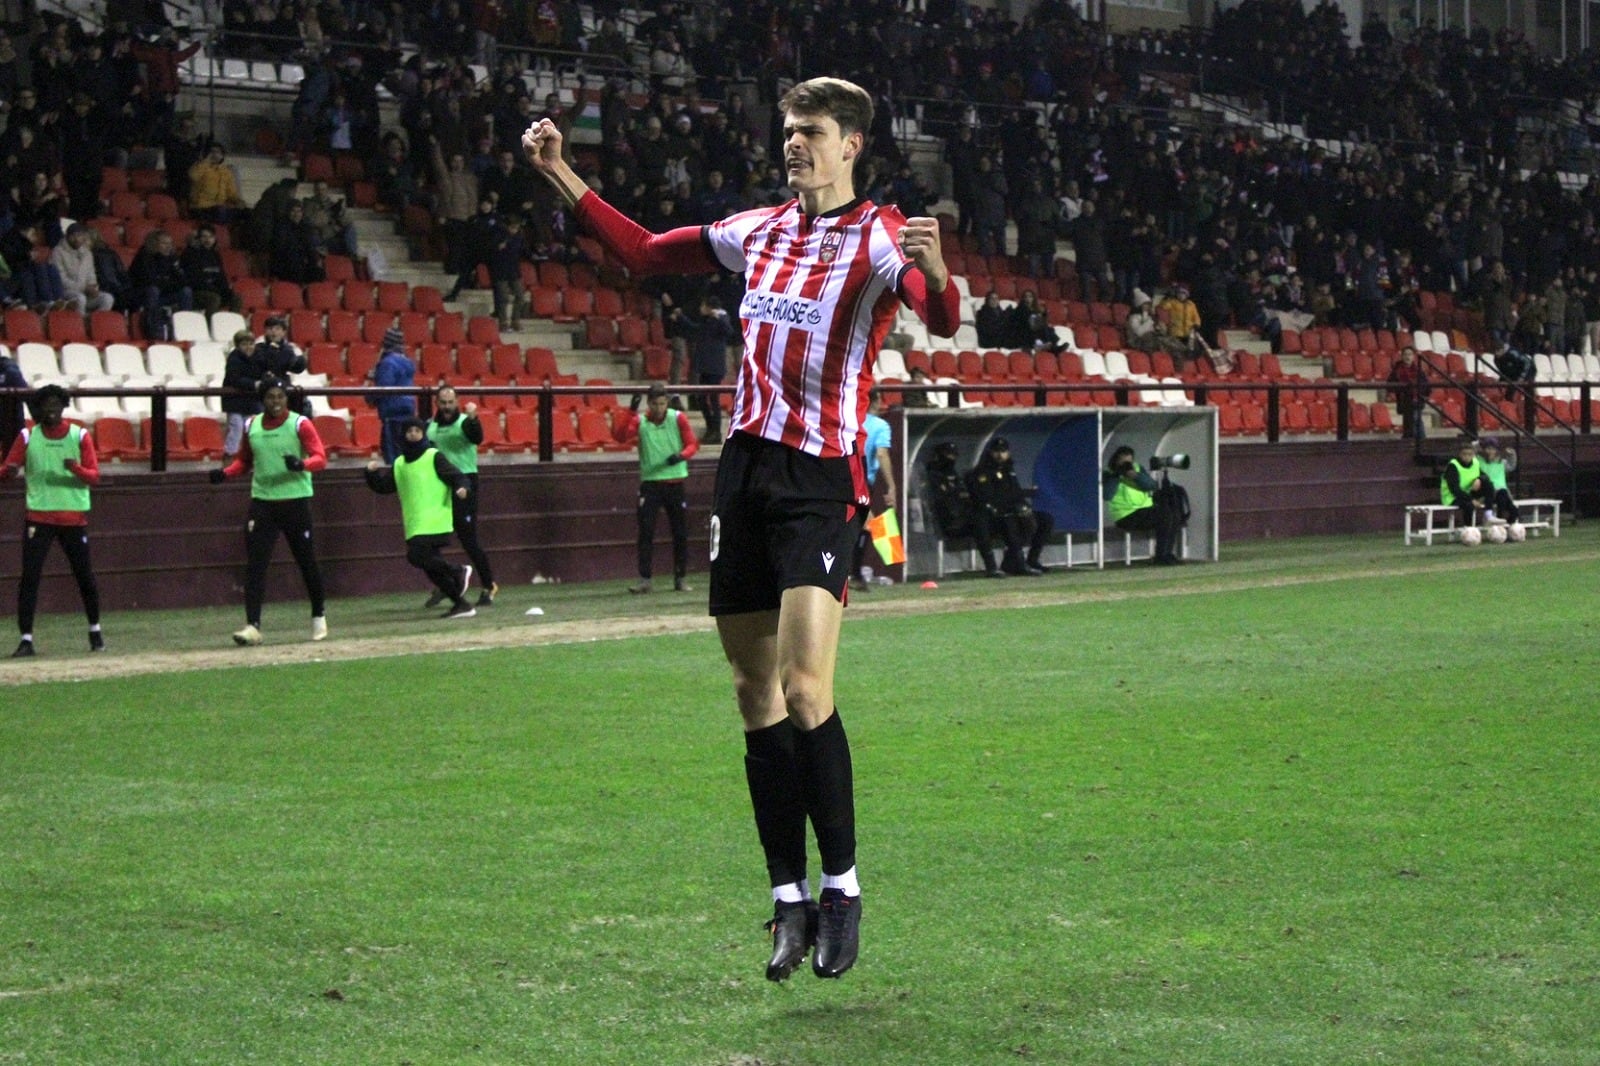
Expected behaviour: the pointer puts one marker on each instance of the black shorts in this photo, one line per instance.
(781, 519)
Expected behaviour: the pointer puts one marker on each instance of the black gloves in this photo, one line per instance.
(294, 462)
(633, 404)
(217, 477)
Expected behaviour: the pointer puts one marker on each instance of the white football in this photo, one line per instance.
(1516, 532)
(1472, 536)
(1496, 534)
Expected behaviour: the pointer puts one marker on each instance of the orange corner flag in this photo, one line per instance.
(886, 541)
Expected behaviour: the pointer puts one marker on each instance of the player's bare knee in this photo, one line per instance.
(809, 699)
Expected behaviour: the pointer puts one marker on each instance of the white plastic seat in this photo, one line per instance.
(290, 75)
(917, 335)
(963, 287)
(124, 361)
(891, 364)
(37, 360)
(92, 407)
(1094, 364)
(207, 359)
(1116, 366)
(264, 74)
(190, 326)
(1068, 341)
(139, 405)
(1543, 373)
(1422, 342)
(1441, 341)
(1174, 397)
(166, 361)
(180, 406)
(80, 360)
(235, 70)
(1591, 368)
(224, 324)
(966, 337)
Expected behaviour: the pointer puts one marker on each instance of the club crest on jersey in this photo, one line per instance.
(832, 241)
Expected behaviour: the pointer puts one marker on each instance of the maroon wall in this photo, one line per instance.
(173, 540)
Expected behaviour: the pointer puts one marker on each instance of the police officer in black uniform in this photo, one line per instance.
(953, 512)
(999, 498)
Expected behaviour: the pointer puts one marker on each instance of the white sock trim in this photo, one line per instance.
(845, 882)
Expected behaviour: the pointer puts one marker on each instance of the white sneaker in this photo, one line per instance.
(319, 628)
(248, 635)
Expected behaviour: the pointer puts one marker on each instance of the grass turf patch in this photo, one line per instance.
(1316, 823)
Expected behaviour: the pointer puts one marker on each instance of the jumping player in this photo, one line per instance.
(58, 460)
(824, 274)
(280, 452)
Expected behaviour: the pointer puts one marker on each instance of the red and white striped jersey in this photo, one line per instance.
(820, 296)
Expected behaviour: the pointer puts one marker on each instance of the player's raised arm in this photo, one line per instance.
(678, 251)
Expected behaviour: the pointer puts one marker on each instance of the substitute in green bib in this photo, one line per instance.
(427, 484)
(1497, 464)
(457, 433)
(666, 441)
(280, 451)
(1464, 485)
(57, 460)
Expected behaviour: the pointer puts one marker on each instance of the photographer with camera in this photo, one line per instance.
(1000, 504)
(1136, 503)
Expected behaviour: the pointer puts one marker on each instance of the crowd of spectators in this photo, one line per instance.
(1438, 186)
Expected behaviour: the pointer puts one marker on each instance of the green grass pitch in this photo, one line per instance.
(1321, 804)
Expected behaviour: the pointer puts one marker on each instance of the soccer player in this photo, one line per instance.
(57, 459)
(665, 446)
(280, 452)
(824, 274)
(427, 484)
(456, 432)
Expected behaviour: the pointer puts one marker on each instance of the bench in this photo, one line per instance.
(1422, 520)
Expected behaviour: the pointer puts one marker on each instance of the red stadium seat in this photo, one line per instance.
(202, 435)
(114, 438)
(343, 327)
(324, 296)
(484, 330)
(435, 362)
(449, 327)
(65, 326)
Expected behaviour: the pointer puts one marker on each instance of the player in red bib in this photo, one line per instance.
(824, 275)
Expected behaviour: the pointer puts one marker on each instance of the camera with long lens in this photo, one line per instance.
(1175, 461)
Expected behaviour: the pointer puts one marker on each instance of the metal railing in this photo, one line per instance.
(1538, 415)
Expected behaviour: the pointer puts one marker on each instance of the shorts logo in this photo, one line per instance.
(832, 241)
(781, 310)
(827, 562)
(716, 536)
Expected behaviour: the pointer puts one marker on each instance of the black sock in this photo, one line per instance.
(826, 782)
(774, 778)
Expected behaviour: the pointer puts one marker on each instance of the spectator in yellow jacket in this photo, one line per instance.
(213, 189)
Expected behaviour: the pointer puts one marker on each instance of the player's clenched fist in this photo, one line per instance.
(541, 143)
(919, 240)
